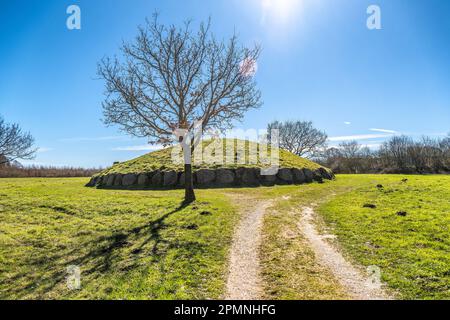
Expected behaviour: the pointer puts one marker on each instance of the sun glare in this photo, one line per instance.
(280, 10)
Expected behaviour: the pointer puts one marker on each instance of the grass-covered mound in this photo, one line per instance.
(158, 168)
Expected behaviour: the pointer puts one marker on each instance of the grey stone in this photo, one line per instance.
(110, 180)
(326, 174)
(317, 176)
(249, 176)
(118, 180)
(269, 180)
(205, 176)
(157, 179)
(308, 175)
(129, 179)
(143, 180)
(99, 182)
(285, 175)
(224, 176)
(170, 178)
(299, 176)
(239, 172)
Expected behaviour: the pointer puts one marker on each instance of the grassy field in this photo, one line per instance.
(412, 251)
(128, 245)
(144, 245)
(407, 235)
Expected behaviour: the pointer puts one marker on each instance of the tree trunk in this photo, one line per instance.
(189, 195)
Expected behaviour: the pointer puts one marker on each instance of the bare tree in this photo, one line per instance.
(444, 145)
(14, 144)
(399, 154)
(331, 158)
(351, 152)
(170, 78)
(299, 137)
(394, 152)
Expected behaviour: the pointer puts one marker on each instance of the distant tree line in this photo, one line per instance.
(15, 170)
(400, 154)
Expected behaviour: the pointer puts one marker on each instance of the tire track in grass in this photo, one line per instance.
(356, 284)
(244, 277)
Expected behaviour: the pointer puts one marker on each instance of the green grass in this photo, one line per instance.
(162, 160)
(128, 244)
(143, 245)
(413, 251)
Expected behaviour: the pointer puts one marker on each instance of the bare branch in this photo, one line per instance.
(14, 144)
(170, 77)
(299, 137)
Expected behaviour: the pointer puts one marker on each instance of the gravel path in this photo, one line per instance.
(357, 285)
(244, 282)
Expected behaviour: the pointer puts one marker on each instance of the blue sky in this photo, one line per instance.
(319, 63)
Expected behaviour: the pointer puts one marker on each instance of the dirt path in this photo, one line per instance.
(244, 282)
(358, 286)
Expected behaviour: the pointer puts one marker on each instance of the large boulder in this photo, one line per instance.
(157, 179)
(100, 181)
(285, 175)
(299, 176)
(326, 174)
(118, 180)
(250, 176)
(129, 179)
(268, 180)
(110, 180)
(205, 176)
(143, 180)
(308, 175)
(170, 178)
(224, 176)
(239, 172)
(317, 176)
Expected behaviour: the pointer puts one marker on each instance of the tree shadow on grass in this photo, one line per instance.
(103, 255)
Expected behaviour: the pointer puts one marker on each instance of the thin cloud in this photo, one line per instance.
(144, 147)
(384, 130)
(89, 139)
(359, 137)
(347, 123)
